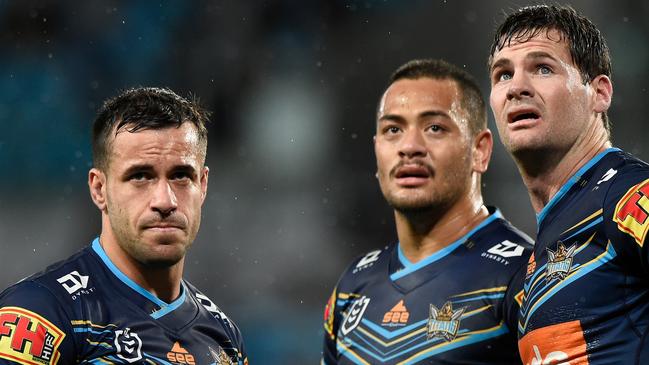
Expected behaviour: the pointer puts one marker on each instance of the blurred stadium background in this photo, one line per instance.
(293, 86)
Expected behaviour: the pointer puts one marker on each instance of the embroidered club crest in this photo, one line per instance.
(444, 322)
(559, 261)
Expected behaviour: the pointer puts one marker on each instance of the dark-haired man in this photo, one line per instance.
(445, 293)
(123, 299)
(586, 295)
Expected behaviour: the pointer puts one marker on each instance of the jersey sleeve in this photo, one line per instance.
(34, 328)
(626, 212)
(329, 355)
(514, 299)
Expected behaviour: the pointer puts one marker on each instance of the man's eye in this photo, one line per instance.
(392, 130)
(503, 76)
(139, 176)
(181, 176)
(545, 70)
(435, 128)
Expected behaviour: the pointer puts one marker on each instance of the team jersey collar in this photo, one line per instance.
(409, 267)
(161, 307)
(573, 180)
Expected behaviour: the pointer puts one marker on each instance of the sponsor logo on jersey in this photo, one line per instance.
(397, 316)
(329, 315)
(531, 267)
(179, 355)
(75, 284)
(559, 261)
(354, 315)
(504, 250)
(607, 176)
(213, 309)
(128, 345)
(444, 322)
(220, 357)
(27, 338)
(367, 261)
(632, 212)
(561, 343)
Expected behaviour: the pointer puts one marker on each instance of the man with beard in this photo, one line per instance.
(123, 299)
(586, 295)
(446, 292)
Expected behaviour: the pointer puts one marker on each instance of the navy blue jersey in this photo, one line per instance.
(586, 297)
(84, 310)
(456, 306)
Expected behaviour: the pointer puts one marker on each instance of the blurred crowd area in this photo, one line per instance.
(293, 87)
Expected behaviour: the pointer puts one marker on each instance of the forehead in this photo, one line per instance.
(407, 94)
(157, 146)
(550, 41)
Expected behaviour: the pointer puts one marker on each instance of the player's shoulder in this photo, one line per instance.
(365, 266)
(207, 304)
(622, 177)
(501, 242)
(57, 281)
(624, 203)
(213, 311)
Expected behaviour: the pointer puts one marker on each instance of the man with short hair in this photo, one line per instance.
(586, 298)
(445, 293)
(123, 298)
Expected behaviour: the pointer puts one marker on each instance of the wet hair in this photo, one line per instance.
(144, 108)
(587, 46)
(436, 69)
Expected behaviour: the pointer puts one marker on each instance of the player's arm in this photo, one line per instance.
(329, 352)
(626, 213)
(514, 297)
(34, 328)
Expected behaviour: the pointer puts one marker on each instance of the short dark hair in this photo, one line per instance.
(437, 69)
(140, 109)
(587, 46)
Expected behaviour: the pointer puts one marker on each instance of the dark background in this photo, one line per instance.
(293, 86)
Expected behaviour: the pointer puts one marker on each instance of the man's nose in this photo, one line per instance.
(164, 199)
(520, 87)
(412, 144)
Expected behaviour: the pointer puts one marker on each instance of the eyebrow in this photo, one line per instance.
(149, 167)
(399, 119)
(503, 62)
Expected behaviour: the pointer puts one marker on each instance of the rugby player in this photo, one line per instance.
(122, 299)
(446, 292)
(586, 297)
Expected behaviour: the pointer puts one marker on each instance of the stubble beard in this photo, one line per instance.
(153, 255)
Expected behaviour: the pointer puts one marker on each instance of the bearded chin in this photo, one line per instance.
(413, 204)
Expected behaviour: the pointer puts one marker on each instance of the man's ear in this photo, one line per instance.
(97, 186)
(482, 148)
(603, 93)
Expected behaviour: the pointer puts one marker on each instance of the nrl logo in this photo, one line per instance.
(559, 261)
(354, 315)
(444, 322)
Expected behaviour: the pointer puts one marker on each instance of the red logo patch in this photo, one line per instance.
(632, 212)
(27, 338)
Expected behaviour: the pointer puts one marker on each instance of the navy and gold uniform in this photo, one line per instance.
(456, 306)
(586, 298)
(84, 310)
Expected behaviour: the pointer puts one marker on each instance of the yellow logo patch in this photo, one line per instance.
(27, 338)
(632, 212)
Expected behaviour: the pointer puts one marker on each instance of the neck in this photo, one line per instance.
(545, 171)
(425, 232)
(163, 282)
